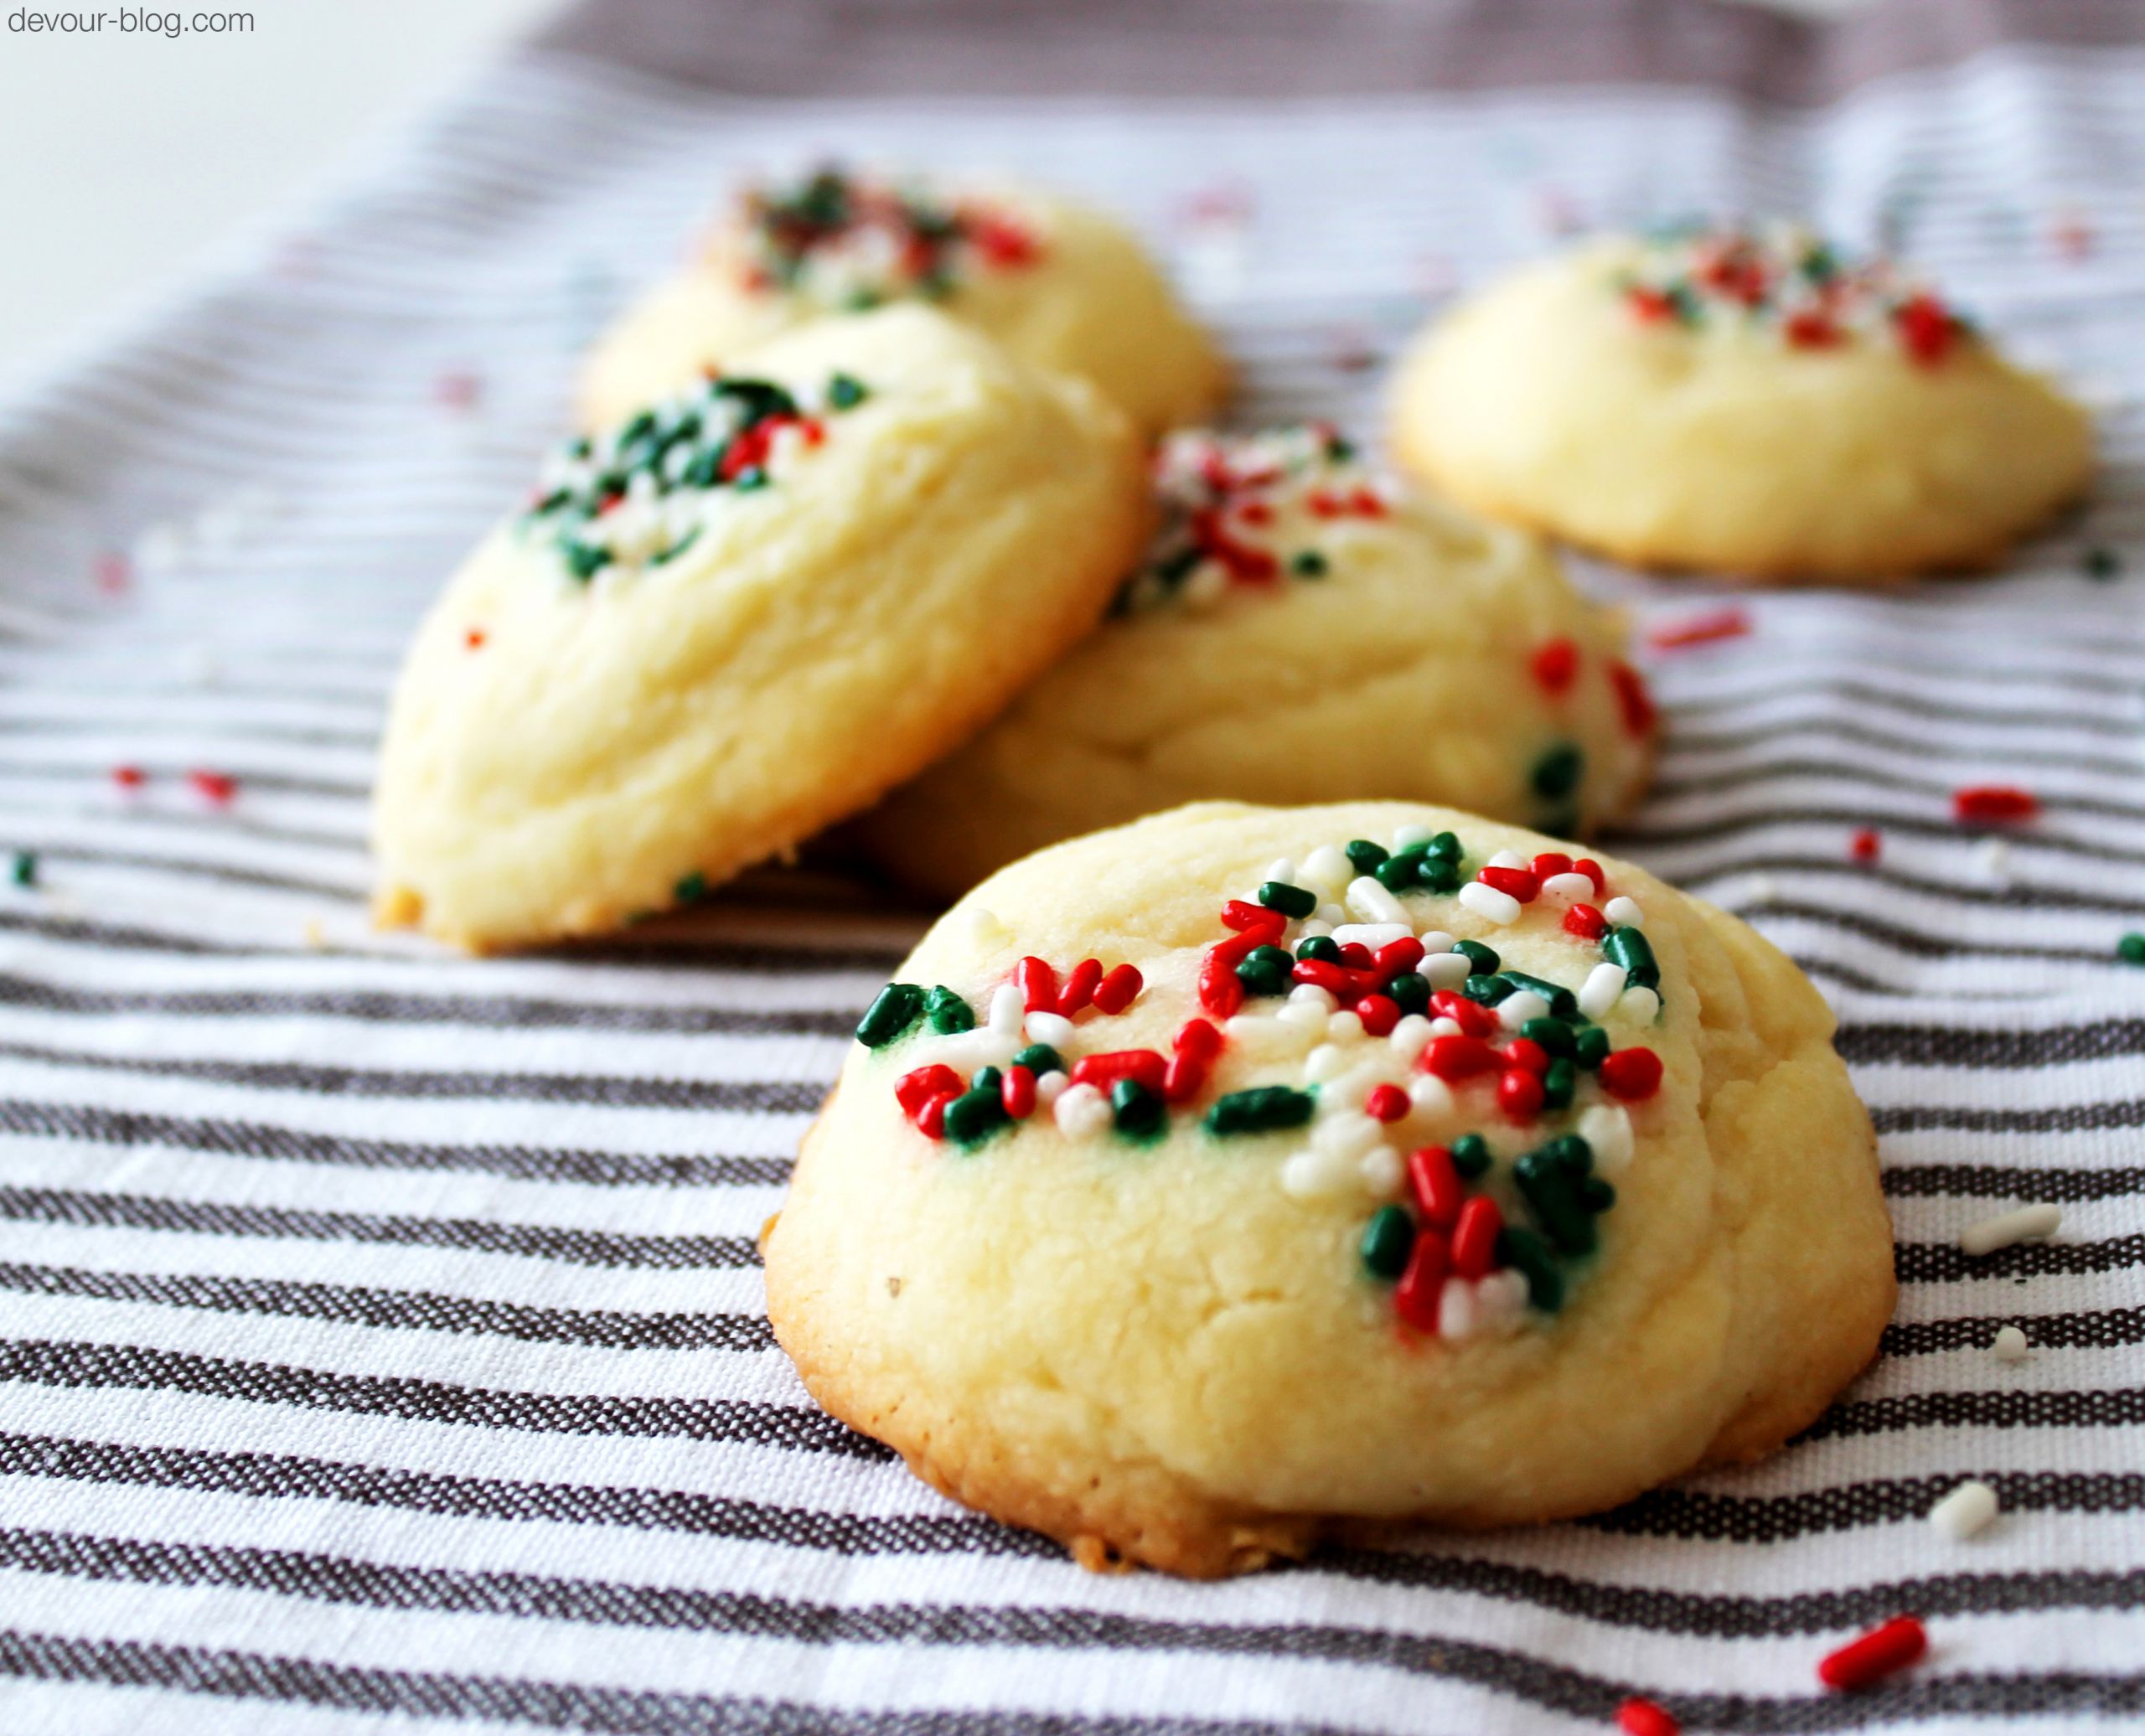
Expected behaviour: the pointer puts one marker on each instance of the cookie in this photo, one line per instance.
(1061, 286)
(1748, 402)
(1301, 631)
(1244, 1176)
(740, 615)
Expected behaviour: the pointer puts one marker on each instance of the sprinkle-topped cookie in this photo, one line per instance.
(850, 241)
(636, 495)
(1250, 510)
(1784, 279)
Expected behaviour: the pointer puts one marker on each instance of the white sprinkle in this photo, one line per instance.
(2009, 1345)
(1604, 985)
(1446, 1027)
(1641, 1006)
(1050, 1086)
(1307, 1018)
(1382, 1171)
(1052, 1028)
(2029, 1223)
(1455, 1309)
(1431, 1096)
(1309, 1174)
(1966, 1510)
(1350, 1134)
(1761, 889)
(1410, 1035)
(1500, 1301)
(1345, 1027)
(1312, 925)
(1207, 586)
(1436, 941)
(968, 1050)
(1568, 889)
(1373, 903)
(1324, 1062)
(1606, 1127)
(1329, 918)
(981, 926)
(1624, 913)
(1311, 994)
(1007, 1009)
(1258, 1035)
(1081, 1111)
(1517, 1008)
(1408, 837)
(1992, 856)
(1281, 869)
(1447, 970)
(1325, 871)
(1487, 901)
(1509, 859)
(1372, 935)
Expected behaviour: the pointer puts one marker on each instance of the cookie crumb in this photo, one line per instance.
(893, 1286)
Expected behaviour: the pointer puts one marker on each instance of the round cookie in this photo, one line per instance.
(1061, 286)
(1204, 1273)
(1746, 402)
(1299, 631)
(739, 616)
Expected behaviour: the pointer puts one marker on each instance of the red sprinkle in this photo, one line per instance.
(1555, 666)
(218, 787)
(1586, 921)
(1926, 330)
(1520, 1094)
(1415, 1297)
(1632, 700)
(1144, 1067)
(1198, 1040)
(1458, 1058)
(1631, 1074)
(1396, 957)
(1220, 992)
(1523, 1051)
(1016, 1091)
(931, 1118)
(1865, 846)
(1519, 882)
(1079, 986)
(1475, 1238)
(1642, 1717)
(129, 776)
(1700, 630)
(1440, 1193)
(1184, 1079)
(1241, 914)
(1592, 870)
(1356, 956)
(1037, 983)
(1471, 1016)
(1882, 1651)
(1379, 1013)
(1385, 1102)
(1652, 306)
(474, 638)
(1811, 331)
(1994, 804)
(1549, 862)
(115, 573)
(912, 1091)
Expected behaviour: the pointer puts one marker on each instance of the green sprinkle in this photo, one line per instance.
(1591, 1047)
(1563, 1003)
(692, 888)
(1339, 451)
(584, 560)
(1445, 844)
(1488, 991)
(1471, 1155)
(1485, 961)
(1310, 564)
(1557, 774)
(1439, 874)
(24, 869)
(1289, 901)
(2102, 563)
(679, 547)
(949, 1014)
(752, 476)
(1363, 856)
(1263, 1109)
(1264, 970)
(2130, 949)
(845, 391)
(1040, 1059)
(897, 1006)
(1547, 1181)
(1402, 873)
(1322, 947)
(1137, 1111)
(1410, 991)
(977, 1113)
(1630, 949)
(1598, 1194)
(1554, 1035)
(1558, 1082)
(1530, 1256)
(1388, 1238)
(1572, 1153)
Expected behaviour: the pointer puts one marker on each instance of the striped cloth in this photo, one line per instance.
(384, 1345)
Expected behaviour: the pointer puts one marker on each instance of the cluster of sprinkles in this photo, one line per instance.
(1250, 511)
(1557, 773)
(848, 241)
(1483, 1109)
(638, 495)
(1782, 279)
(1867, 1659)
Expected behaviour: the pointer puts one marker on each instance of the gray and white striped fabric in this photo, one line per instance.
(383, 1339)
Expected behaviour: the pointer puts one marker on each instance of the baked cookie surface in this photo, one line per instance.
(1062, 287)
(1172, 1256)
(1746, 402)
(1301, 630)
(739, 616)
